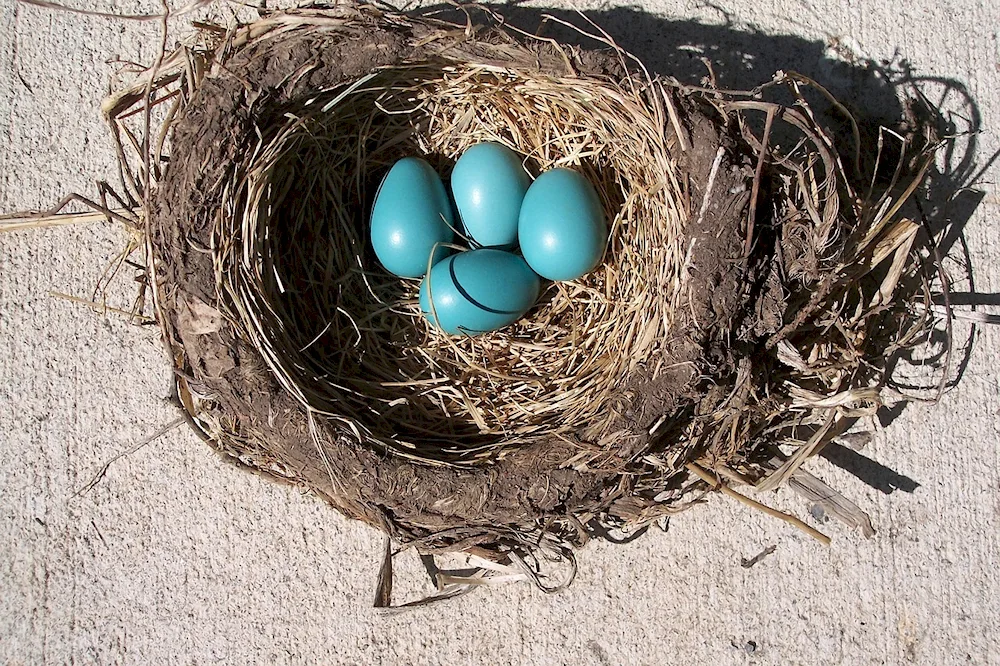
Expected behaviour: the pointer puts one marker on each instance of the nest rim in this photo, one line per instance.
(548, 375)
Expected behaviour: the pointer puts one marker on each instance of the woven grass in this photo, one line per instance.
(348, 340)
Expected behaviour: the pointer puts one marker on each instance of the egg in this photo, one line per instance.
(488, 184)
(478, 291)
(561, 228)
(411, 214)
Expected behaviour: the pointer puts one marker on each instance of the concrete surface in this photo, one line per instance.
(175, 557)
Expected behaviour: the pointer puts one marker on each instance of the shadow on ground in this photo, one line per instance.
(889, 94)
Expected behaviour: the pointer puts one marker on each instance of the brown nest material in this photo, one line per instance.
(743, 317)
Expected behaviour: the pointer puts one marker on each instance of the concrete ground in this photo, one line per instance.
(177, 557)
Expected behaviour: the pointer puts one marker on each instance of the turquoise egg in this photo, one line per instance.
(411, 213)
(488, 184)
(562, 230)
(478, 291)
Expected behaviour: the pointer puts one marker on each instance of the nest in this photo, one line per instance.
(744, 316)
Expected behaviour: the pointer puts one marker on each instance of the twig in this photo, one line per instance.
(100, 307)
(675, 121)
(104, 468)
(755, 190)
(726, 490)
(114, 214)
(59, 220)
(46, 4)
(747, 563)
(89, 12)
(711, 183)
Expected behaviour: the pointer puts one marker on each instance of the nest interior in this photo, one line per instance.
(716, 330)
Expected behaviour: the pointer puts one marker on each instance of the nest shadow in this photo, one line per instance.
(886, 94)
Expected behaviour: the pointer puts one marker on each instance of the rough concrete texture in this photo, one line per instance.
(177, 557)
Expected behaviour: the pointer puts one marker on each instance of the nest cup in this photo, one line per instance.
(741, 319)
(348, 340)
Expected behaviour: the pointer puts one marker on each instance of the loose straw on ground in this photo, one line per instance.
(702, 474)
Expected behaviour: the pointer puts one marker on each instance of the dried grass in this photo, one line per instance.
(348, 340)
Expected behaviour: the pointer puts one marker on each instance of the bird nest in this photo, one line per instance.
(742, 318)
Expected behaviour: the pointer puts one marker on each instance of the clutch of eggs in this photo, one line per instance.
(557, 222)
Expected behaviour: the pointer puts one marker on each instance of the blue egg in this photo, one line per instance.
(478, 291)
(411, 214)
(562, 230)
(488, 184)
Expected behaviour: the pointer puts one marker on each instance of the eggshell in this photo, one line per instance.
(478, 291)
(411, 213)
(488, 184)
(562, 229)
